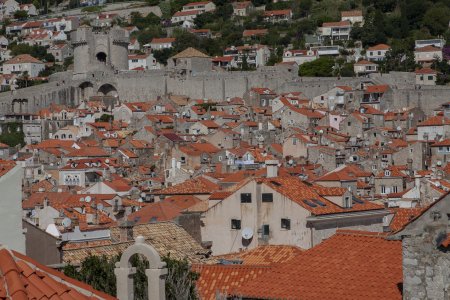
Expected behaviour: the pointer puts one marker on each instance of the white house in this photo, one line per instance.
(353, 16)
(242, 9)
(23, 63)
(377, 52)
(335, 30)
(142, 62)
(300, 56)
(256, 55)
(181, 16)
(365, 67)
(427, 54)
(433, 128)
(204, 6)
(426, 76)
(161, 43)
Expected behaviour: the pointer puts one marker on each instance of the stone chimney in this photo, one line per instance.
(272, 168)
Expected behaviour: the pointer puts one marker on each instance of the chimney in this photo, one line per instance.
(174, 163)
(272, 168)
(46, 202)
(417, 183)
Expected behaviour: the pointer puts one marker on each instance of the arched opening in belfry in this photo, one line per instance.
(101, 57)
(107, 90)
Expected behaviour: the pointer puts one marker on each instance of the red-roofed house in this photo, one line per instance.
(336, 30)
(353, 16)
(377, 52)
(242, 9)
(426, 76)
(300, 56)
(161, 43)
(364, 67)
(23, 63)
(276, 16)
(283, 210)
(144, 61)
(427, 54)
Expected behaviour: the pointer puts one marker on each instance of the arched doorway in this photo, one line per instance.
(107, 90)
(101, 57)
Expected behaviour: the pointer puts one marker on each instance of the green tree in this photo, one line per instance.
(98, 272)
(20, 14)
(321, 67)
(437, 18)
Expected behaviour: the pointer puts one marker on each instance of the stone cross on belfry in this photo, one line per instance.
(155, 273)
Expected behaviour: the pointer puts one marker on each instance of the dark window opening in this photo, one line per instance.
(286, 224)
(246, 198)
(267, 197)
(235, 224)
(101, 57)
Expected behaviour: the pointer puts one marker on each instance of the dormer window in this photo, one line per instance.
(387, 173)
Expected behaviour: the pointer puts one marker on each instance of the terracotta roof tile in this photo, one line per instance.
(199, 185)
(376, 278)
(23, 278)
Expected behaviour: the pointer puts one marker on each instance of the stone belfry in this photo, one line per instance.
(99, 50)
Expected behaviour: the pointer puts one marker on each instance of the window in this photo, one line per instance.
(246, 198)
(349, 123)
(430, 77)
(286, 224)
(267, 197)
(347, 202)
(379, 52)
(294, 141)
(265, 230)
(383, 189)
(235, 224)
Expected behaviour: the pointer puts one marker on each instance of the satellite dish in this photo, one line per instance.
(107, 161)
(88, 199)
(66, 222)
(82, 199)
(33, 213)
(143, 195)
(399, 128)
(49, 175)
(247, 233)
(99, 206)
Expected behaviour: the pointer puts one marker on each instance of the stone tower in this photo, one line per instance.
(99, 50)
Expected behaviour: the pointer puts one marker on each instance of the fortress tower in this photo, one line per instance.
(99, 50)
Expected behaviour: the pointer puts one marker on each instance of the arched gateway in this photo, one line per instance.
(155, 273)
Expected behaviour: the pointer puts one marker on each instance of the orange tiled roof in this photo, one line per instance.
(435, 121)
(402, 216)
(155, 212)
(377, 88)
(376, 278)
(199, 185)
(352, 13)
(379, 47)
(23, 278)
(265, 255)
(299, 192)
